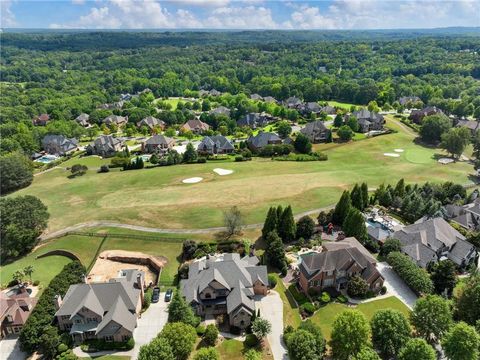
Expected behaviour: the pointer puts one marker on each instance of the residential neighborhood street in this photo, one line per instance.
(9, 350)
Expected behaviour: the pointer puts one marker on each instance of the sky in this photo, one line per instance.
(238, 14)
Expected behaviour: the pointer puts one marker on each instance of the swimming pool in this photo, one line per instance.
(45, 159)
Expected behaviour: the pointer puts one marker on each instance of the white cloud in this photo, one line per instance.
(7, 17)
(246, 17)
(203, 3)
(256, 14)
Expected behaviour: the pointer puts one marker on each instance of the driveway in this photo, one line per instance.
(150, 324)
(271, 308)
(396, 286)
(9, 350)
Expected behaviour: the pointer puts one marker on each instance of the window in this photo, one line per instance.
(125, 338)
(78, 321)
(108, 338)
(208, 296)
(327, 282)
(65, 317)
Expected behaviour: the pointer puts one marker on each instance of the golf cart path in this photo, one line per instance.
(107, 223)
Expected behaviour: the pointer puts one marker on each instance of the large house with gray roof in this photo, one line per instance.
(472, 125)
(336, 264)
(59, 144)
(369, 120)
(467, 216)
(215, 144)
(316, 132)
(255, 120)
(262, 139)
(151, 122)
(103, 311)
(115, 120)
(105, 146)
(158, 144)
(417, 115)
(225, 285)
(433, 240)
(196, 126)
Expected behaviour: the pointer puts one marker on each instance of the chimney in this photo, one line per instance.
(140, 286)
(58, 302)
(9, 318)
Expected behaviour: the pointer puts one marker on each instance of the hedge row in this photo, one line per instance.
(42, 314)
(414, 276)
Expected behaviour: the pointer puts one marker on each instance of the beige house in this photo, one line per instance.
(104, 311)
(226, 284)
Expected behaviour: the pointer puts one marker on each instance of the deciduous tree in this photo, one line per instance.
(462, 343)
(350, 333)
(390, 331)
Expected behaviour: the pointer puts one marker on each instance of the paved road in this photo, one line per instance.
(396, 286)
(107, 223)
(9, 350)
(271, 308)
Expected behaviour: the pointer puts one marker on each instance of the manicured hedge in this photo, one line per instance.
(414, 276)
(42, 314)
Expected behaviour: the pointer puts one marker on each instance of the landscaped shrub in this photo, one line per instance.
(342, 299)
(272, 281)
(312, 292)
(415, 277)
(201, 160)
(200, 330)
(239, 158)
(251, 341)
(307, 309)
(147, 299)
(211, 335)
(325, 298)
(36, 283)
(130, 344)
(357, 287)
(104, 169)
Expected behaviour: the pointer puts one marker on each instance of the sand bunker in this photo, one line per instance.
(222, 172)
(391, 154)
(445, 161)
(192, 180)
(399, 150)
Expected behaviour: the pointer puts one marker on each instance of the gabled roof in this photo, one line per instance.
(240, 296)
(151, 122)
(106, 142)
(221, 110)
(421, 239)
(338, 256)
(365, 114)
(61, 141)
(229, 270)
(313, 128)
(269, 99)
(263, 139)
(195, 124)
(82, 118)
(159, 140)
(469, 124)
(115, 119)
(218, 141)
(120, 314)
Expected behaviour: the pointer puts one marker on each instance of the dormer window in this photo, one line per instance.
(208, 296)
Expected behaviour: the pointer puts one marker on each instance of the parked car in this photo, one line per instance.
(156, 294)
(168, 295)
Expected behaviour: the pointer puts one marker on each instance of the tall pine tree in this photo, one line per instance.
(271, 222)
(276, 252)
(279, 213)
(180, 311)
(364, 191)
(356, 198)
(341, 209)
(354, 225)
(286, 225)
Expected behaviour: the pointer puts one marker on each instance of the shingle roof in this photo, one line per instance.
(159, 140)
(61, 141)
(231, 271)
(313, 128)
(195, 124)
(262, 139)
(421, 239)
(218, 141)
(114, 119)
(115, 300)
(151, 122)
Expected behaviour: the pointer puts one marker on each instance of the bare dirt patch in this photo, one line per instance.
(109, 263)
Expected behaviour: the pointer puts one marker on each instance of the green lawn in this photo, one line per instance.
(157, 197)
(86, 248)
(341, 105)
(233, 350)
(326, 315)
